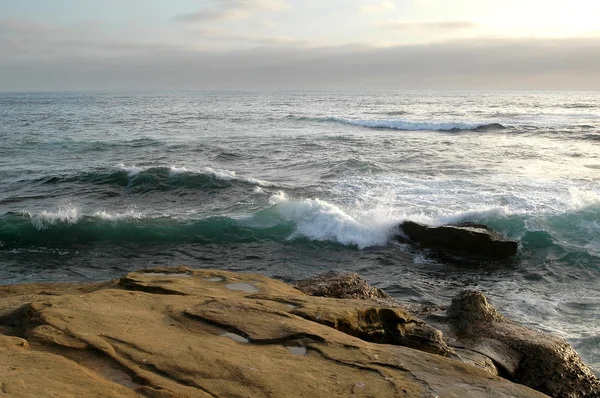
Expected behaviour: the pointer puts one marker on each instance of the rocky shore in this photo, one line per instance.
(207, 333)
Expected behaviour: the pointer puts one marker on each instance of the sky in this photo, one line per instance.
(299, 44)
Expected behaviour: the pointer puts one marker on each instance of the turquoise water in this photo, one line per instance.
(290, 184)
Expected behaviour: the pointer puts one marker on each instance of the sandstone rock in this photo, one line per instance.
(392, 324)
(466, 238)
(184, 333)
(540, 361)
(25, 372)
(372, 323)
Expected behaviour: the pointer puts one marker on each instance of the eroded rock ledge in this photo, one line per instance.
(204, 333)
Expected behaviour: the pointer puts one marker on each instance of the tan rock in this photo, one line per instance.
(184, 333)
(30, 373)
(541, 361)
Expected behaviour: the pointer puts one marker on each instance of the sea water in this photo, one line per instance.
(292, 184)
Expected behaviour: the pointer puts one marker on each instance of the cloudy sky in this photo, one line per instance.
(299, 44)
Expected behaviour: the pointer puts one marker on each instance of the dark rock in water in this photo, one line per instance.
(469, 238)
(538, 360)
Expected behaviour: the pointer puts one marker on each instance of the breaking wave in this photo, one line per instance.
(284, 220)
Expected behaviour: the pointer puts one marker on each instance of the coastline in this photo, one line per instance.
(179, 332)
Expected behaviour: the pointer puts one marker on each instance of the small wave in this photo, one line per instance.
(591, 137)
(228, 156)
(109, 216)
(490, 127)
(25, 231)
(131, 170)
(353, 165)
(579, 106)
(68, 214)
(94, 145)
(404, 125)
(229, 175)
(144, 179)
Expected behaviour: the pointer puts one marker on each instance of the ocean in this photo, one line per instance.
(292, 184)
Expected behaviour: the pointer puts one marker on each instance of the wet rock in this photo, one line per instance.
(465, 238)
(538, 360)
(158, 334)
(340, 285)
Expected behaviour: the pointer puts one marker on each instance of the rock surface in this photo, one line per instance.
(466, 238)
(479, 335)
(394, 324)
(184, 333)
(540, 361)
(340, 285)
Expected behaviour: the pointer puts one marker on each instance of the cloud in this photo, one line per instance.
(380, 8)
(18, 27)
(230, 10)
(222, 35)
(219, 14)
(430, 25)
(461, 64)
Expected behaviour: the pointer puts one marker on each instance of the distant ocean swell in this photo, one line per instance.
(140, 179)
(405, 125)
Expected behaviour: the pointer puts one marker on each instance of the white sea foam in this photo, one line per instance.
(67, 214)
(228, 175)
(319, 220)
(71, 214)
(442, 200)
(581, 198)
(111, 216)
(130, 170)
(277, 198)
(174, 170)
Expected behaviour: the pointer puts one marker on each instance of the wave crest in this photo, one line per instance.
(284, 220)
(67, 214)
(319, 220)
(405, 125)
(140, 179)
